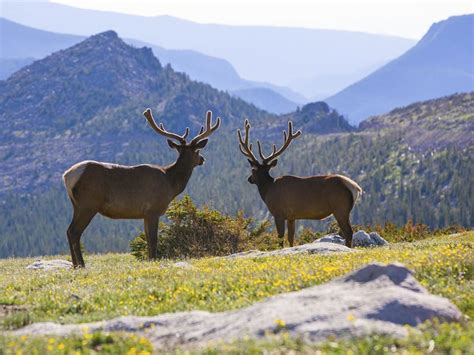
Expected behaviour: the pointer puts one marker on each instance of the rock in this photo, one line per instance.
(374, 299)
(359, 239)
(50, 264)
(332, 238)
(310, 248)
(364, 239)
(377, 239)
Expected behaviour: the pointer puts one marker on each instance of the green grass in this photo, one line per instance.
(117, 284)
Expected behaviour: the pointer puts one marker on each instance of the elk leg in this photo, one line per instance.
(291, 231)
(80, 221)
(345, 225)
(70, 239)
(280, 226)
(151, 232)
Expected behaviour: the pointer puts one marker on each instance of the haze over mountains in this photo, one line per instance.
(284, 57)
(442, 63)
(22, 45)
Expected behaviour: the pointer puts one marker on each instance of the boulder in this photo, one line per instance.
(359, 239)
(310, 248)
(332, 238)
(376, 299)
(363, 239)
(50, 264)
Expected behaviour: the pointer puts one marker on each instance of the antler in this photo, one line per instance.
(287, 138)
(203, 133)
(244, 145)
(161, 129)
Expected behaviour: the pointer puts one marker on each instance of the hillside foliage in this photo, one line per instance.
(86, 103)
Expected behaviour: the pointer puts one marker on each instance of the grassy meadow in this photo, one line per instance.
(119, 284)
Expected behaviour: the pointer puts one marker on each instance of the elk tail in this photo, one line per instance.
(72, 176)
(353, 187)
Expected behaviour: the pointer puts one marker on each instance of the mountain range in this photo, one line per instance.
(285, 55)
(441, 63)
(22, 45)
(86, 102)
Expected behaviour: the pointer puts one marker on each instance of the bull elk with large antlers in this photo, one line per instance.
(292, 197)
(132, 192)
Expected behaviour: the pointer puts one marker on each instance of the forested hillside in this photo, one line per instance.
(86, 102)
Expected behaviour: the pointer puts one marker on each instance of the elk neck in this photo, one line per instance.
(264, 184)
(179, 173)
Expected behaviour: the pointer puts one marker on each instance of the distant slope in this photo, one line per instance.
(430, 125)
(24, 44)
(442, 63)
(18, 41)
(10, 65)
(277, 55)
(266, 99)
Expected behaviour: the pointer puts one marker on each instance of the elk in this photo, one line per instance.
(132, 192)
(289, 198)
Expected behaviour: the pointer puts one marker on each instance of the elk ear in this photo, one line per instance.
(200, 144)
(172, 144)
(273, 164)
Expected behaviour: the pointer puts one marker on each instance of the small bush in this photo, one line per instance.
(194, 232)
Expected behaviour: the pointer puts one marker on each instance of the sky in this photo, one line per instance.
(405, 18)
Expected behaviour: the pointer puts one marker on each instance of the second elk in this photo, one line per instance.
(292, 197)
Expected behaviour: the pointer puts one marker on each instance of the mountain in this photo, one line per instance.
(266, 99)
(86, 102)
(301, 52)
(10, 65)
(440, 64)
(76, 95)
(319, 118)
(430, 125)
(25, 44)
(20, 41)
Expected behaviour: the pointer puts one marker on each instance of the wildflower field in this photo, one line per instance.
(119, 284)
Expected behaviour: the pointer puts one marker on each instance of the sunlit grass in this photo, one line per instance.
(118, 284)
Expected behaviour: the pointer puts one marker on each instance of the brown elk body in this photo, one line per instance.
(290, 198)
(131, 192)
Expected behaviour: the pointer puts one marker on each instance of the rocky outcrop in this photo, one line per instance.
(374, 299)
(310, 248)
(359, 239)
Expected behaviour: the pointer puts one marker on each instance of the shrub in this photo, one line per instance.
(199, 232)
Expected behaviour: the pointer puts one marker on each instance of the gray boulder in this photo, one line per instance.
(310, 248)
(359, 239)
(50, 264)
(375, 299)
(364, 239)
(332, 238)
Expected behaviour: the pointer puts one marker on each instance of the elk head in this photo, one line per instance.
(187, 151)
(261, 170)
